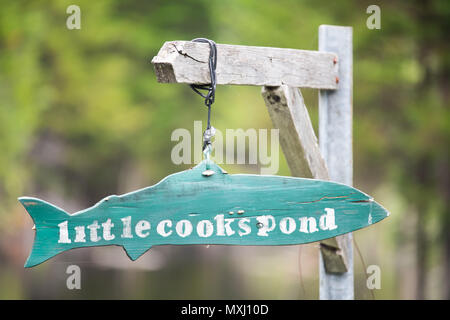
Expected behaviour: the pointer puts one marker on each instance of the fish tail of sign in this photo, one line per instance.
(45, 217)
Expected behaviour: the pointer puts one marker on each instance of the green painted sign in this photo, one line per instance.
(205, 205)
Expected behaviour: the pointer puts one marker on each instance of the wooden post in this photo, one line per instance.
(335, 140)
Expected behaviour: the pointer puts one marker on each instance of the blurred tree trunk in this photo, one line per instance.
(422, 178)
(421, 255)
(431, 170)
(444, 187)
(446, 255)
(442, 175)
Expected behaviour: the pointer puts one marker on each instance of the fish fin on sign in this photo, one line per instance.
(134, 252)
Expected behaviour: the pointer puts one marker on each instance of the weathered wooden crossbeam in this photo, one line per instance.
(187, 62)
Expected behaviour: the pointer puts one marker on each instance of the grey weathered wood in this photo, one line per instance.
(299, 143)
(334, 255)
(297, 138)
(187, 62)
(335, 140)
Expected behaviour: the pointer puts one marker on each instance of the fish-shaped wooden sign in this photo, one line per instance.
(205, 205)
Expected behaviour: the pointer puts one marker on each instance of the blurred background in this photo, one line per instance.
(82, 117)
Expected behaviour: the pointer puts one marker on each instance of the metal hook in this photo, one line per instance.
(210, 96)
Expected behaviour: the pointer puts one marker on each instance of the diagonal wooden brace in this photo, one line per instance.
(299, 143)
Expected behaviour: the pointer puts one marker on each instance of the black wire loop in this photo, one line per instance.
(210, 96)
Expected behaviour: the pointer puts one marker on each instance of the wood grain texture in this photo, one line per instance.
(335, 140)
(297, 138)
(186, 62)
(259, 210)
(300, 147)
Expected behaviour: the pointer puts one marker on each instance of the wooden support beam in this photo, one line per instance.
(335, 140)
(186, 62)
(297, 138)
(299, 143)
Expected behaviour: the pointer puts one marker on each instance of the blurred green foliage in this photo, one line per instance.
(81, 111)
